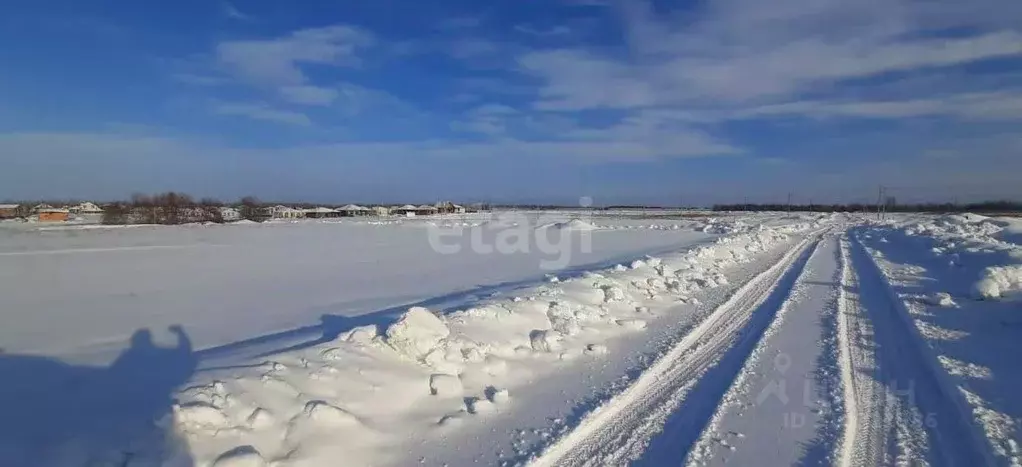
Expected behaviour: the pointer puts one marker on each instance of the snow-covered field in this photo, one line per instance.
(525, 339)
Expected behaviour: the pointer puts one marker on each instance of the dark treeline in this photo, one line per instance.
(985, 206)
(163, 208)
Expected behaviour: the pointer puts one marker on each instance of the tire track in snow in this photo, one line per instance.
(865, 427)
(906, 411)
(787, 394)
(693, 375)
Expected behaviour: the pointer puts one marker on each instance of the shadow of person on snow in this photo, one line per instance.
(57, 414)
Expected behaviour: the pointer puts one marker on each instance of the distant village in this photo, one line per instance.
(173, 208)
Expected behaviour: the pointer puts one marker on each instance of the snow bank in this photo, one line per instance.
(963, 238)
(576, 225)
(416, 333)
(436, 371)
(999, 282)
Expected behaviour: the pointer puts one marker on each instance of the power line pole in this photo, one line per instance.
(880, 199)
(789, 201)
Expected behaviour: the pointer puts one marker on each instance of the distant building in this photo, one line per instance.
(447, 207)
(353, 210)
(8, 211)
(426, 210)
(321, 212)
(85, 208)
(380, 210)
(406, 210)
(282, 212)
(53, 215)
(229, 214)
(41, 207)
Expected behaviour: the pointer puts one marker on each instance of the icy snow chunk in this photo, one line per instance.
(940, 299)
(545, 340)
(332, 354)
(636, 324)
(567, 326)
(438, 360)
(323, 413)
(241, 456)
(575, 225)
(612, 293)
(479, 406)
(563, 319)
(201, 414)
(570, 354)
(260, 418)
(445, 385)
(596, 349)
(999, 282)
(498, 396)
(417, 333)
(455, 419)
(360, 335)
(494, 366)
(638, 264)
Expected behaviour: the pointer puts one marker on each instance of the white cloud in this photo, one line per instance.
(1000, 105)
(555, 31)
(277, 61)
(734, 52)
(234, 13)
(310, 95)
(262, 112)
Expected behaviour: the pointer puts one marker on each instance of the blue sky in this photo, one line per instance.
(626, 101)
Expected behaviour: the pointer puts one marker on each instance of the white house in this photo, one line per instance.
(85, 208)
(380, 210)
(353, 210)
(426, 210)
(406, 210)
(229, 214)
(321, 212)
(283, 212)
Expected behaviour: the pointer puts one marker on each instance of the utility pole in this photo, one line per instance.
(789, 201)
(880, 200)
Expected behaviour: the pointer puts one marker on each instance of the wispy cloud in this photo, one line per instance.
(310, 95)
(258, 111)
(1002, 105)
(555, 31)
(746, 51)
(278, 61)
(234, 13)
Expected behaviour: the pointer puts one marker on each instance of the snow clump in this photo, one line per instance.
(417, 333)
(999, 282)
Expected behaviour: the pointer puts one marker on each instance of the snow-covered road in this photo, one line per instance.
(790, 340)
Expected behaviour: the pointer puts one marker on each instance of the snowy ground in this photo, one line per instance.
(766, 339)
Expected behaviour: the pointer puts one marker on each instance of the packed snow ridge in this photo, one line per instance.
(955, 235)
(374, 386)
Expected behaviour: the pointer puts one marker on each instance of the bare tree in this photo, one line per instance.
(250, 206)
